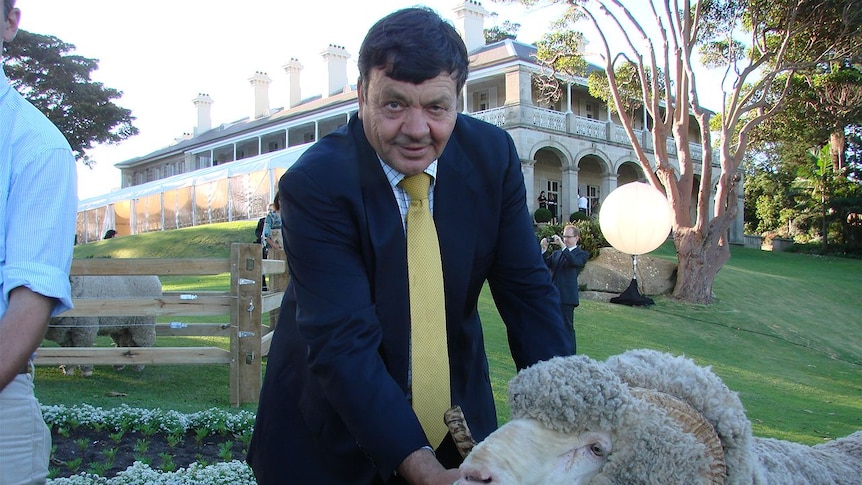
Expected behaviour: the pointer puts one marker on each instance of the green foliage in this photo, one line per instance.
(58, 83)
(628, 83)
(549, 230)
(542, 215)
(578, 216)
(560, 52)
(798, 195)
(75, 464)
(168, 464)
(592, 239)
(82, 443)
(224, 451)
(142, 445)
(509, 30)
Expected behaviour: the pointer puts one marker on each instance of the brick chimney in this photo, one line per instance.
(203, 103)
(260, 82)
(470, 23)
(335, 57)
(292, 68)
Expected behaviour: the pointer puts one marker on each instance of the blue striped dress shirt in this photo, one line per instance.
(38, 202)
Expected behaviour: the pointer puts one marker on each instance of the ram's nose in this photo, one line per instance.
(473, 475)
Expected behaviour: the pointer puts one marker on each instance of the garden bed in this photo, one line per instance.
(130, 446)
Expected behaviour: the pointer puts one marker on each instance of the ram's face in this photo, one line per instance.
(523, 452)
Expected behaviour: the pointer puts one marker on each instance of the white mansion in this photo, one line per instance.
(229, 172)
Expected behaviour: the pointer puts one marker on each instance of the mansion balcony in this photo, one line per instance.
(569, 124)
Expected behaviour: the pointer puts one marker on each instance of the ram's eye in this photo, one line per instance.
(598, 450)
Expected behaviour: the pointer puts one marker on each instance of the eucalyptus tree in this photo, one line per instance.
(758, 44)
(44, 70)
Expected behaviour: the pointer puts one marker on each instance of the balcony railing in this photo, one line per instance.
(525, 115)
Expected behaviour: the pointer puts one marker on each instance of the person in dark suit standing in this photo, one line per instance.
(552, 206)
(335, 406)
(566, 264)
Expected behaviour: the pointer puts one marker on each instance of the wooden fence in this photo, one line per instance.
(245, 302)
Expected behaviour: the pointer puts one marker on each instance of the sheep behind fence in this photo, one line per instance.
(125, 331)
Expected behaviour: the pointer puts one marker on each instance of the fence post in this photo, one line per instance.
(277, 282)
(245, 288)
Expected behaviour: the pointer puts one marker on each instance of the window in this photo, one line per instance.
(589, 109)
(553, 194)
(202, 160)
(485, 99)
(482, 101)
(593, 198)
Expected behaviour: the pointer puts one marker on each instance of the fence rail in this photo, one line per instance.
(245, 303)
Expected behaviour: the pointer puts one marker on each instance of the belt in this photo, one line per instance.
(26, 368)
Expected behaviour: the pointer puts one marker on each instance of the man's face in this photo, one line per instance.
(569, 239)
(408, 124)
(10, 25)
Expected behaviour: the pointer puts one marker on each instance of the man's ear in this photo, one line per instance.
(360, 97)
(10, 25)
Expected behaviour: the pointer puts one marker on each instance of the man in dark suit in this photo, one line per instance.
(335, 406)
(566, 264)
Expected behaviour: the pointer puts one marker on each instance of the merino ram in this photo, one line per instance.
(131, 331)
(642, 417)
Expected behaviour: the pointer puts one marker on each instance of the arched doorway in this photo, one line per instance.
(629, 172)
(591, 173)
(548, 178)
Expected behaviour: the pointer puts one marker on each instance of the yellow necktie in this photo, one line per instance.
(429, 352)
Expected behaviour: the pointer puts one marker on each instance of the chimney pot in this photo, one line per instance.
(293, 68)
(470, 23)
(260, 82)
(335, 57)
(203, 102)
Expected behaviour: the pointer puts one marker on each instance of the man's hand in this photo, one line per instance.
(422, 468)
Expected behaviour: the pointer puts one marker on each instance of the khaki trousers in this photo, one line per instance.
(25, 441)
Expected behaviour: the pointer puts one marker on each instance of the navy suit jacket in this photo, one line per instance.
(565, 267)
(333, 406)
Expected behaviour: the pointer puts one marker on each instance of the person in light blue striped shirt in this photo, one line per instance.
(38, 204)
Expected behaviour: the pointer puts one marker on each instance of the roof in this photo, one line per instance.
(278, 159)
(242, 125)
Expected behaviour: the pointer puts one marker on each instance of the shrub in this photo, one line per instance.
(548, 231)
(578, 216)
(592, 239)
(542, 215)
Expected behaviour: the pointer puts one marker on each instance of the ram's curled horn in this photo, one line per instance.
(457, 424)
(694, 423)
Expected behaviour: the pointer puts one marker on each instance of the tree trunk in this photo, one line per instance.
(699, 263)
(837, 150)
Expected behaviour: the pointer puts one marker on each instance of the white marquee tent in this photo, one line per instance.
(233, 191)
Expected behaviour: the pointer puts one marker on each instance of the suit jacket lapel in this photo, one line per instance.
(455, 198)
(385, 255)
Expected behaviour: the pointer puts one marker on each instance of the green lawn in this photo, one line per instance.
(784, 333)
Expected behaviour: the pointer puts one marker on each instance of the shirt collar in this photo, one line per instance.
(395, 177)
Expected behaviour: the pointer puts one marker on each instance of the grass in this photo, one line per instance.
(784, 333)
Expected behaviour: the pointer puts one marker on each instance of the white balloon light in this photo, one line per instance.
(635, 218)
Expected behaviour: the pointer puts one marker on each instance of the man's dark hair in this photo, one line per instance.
(413, 45)
(7, 7)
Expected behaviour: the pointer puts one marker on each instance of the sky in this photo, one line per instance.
(162, 54)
